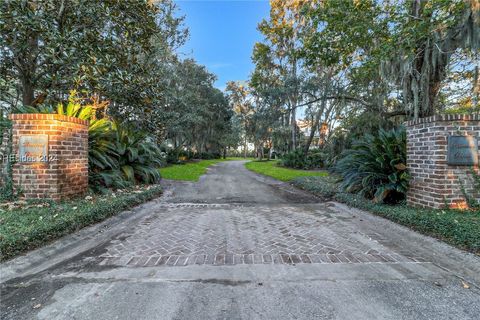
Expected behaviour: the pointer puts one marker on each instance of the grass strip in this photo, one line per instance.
(272, 169)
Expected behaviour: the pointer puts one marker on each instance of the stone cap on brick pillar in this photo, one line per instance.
(46, 116)
(444, 117)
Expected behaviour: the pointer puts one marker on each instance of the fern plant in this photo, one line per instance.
(375, 166)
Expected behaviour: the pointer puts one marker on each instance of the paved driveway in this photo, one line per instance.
(236, 245)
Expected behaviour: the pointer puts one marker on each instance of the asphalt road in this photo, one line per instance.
(237, 245)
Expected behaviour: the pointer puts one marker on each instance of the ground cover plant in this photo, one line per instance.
(25, 225)
(272, 169)
(458, 228)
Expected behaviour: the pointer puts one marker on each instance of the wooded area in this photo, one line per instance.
(353, 67)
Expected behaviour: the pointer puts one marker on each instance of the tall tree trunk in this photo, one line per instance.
(294, 130)
(476, 87)
(316, 122)
(27, 64)
(245, 146)
(321, 110)
(28, 91)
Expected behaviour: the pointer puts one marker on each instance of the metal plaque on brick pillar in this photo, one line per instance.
(462, 150)
(33, 148)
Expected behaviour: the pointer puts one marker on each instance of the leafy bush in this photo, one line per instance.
(334, 146)
(7, 191)
(120, 156)
(297, 160)
(375, 166)
(186, 154)
(176, 156)
(171, 155)
(207, 155)
(138, 156)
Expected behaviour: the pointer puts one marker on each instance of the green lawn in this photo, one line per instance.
(190, 171)
(271, 169)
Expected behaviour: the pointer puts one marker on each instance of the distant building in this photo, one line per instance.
(305, 127)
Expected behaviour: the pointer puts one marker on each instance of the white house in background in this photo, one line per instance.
(305, 128)
(320, 133)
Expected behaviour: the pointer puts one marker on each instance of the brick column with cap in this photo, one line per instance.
(51, 154)
(438, 180)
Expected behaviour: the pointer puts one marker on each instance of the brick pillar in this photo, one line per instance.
(62, 171)
(436, 183)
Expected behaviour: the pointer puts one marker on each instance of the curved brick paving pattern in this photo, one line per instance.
(185, 234)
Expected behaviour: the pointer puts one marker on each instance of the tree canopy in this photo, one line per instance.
(356, 66)
(122, 52)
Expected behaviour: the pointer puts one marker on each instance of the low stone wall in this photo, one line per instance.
(52, 155)
(436, 182)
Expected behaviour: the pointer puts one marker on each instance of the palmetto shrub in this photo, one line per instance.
(375, 166)
(138, 156)
(297, 160)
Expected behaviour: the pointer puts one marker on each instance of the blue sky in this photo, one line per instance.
(222, 35)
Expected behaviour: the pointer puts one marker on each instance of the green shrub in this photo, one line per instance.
(297, 160)
(121, 157)
(207, 155)
(375, 166)
(187, 154)
(7, 191)
(138, 156)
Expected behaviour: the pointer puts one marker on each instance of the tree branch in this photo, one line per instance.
(344, 97)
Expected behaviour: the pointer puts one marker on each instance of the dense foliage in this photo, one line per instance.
(123, 52)
(134, 158)
(298, 160)
(355, 71)
(353, 67)
(375, 166)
